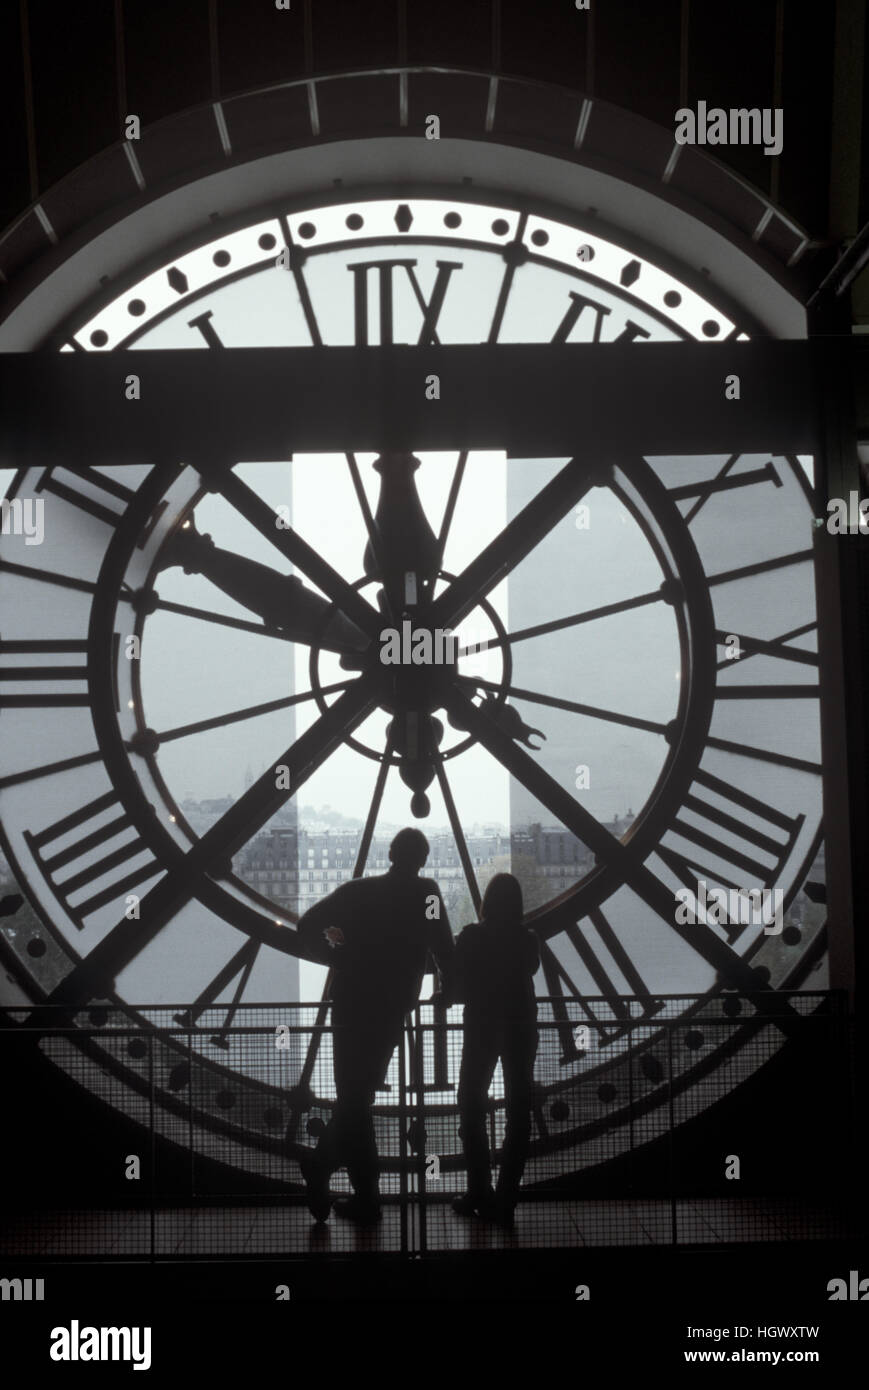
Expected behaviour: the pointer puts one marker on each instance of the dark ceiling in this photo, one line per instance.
(74, 71)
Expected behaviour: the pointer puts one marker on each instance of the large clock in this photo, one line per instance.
(632, 696)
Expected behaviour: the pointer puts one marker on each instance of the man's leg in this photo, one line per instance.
(479, 1055)
(365, 1055)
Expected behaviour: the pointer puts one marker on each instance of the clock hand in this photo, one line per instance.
(92, 976)
(518, 539)
(281, 600)
(220, 478)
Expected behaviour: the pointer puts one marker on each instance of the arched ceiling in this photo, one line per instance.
(218, 83)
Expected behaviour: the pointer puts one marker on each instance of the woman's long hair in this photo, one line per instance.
(502, 901)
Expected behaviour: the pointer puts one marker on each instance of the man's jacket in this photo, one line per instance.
(391, 924)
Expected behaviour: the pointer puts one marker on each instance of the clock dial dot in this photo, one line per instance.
(221, 258)
(711, 329)
(136, 307)
(354, 221)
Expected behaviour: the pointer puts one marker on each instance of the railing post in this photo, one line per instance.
(420, 1113)
(153, 1145)
(674, 1231)
(403, 1139)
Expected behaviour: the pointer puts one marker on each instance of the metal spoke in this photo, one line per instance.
(507, 281)
(93, 975)
(796, 557)
(764, 755)
(536, 697)
(558, 624)
(243, 624)
(450, 508)
(268, 707)
(754, 646)
(607, 849)
(459, 836)
(706, 493)
(518, 538)
(47, 769)
(374, 809)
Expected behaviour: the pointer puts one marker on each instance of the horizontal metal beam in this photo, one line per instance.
(537, 400)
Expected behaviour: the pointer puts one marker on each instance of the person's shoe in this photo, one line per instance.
(364, 1213)
(317, 1182)
(484, 1206)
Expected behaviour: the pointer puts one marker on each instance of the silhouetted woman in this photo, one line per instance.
(495, 962)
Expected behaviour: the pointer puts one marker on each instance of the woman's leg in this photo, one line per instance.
(479, 1055)
(517, 1060)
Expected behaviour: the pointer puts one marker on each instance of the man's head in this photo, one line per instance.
(409, 850)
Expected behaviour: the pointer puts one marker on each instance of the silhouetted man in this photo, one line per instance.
(380, 932)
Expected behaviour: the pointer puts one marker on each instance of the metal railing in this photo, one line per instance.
(638, 1110)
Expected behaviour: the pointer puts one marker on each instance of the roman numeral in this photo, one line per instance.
(558, 980)
(727, 835)
(79, 492)
(73, 869)
(207, 329)
(430, 307)
(41, 679)
(579, 303)
(241, 964)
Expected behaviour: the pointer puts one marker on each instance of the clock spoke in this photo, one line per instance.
(296, 256)
(631, 721)
(459, 836)
(512, 253)
(518, 538)
(33, 774)
(241, 964)
(452, 499)
(588, 615)
(291, 545)
(608, 850)
(796, 557)
(376, 799)
(206, 615)
(767, 692)
(266, 707)
(375, 540)
(764, 755)
(724, 481)
(776, 646)
(212, 853)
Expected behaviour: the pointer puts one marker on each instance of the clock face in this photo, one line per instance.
(629, 706)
